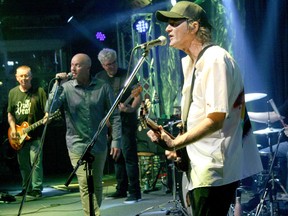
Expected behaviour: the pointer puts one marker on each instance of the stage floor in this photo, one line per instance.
(59, 200)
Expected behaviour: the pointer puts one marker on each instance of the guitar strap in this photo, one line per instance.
(192, 85)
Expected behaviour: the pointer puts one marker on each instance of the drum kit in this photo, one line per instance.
(263, 183)
(264, 201)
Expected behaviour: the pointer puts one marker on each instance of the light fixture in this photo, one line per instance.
(100, 36)
(70, 18)
(141, 25)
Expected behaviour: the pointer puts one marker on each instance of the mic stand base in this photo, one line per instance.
(89, 175)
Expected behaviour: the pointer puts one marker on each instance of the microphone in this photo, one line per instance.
(160, 41)
(68, 77)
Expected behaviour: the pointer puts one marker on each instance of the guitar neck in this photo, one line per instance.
(33, 126)
(155, 127)
(128, 100)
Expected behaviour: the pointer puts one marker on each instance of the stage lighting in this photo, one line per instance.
(69, 19)
(141, 25)
(100, 36)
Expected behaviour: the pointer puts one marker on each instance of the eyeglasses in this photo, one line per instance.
(175, 23)
(110, 64)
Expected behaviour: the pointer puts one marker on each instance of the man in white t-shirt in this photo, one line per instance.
(219, 140)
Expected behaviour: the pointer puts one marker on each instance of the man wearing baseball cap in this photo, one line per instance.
(218, 138)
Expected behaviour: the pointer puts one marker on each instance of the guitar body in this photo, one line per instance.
(21, 136)
(24, 129)
(183, 163)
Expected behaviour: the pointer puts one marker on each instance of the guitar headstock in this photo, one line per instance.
(136, 90)
(144, 111)
(56, 115)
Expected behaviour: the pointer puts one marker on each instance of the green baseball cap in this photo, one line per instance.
(185, 10)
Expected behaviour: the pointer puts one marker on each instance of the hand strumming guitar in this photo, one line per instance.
(161, 135)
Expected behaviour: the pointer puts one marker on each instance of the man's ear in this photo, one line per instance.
(193, 26)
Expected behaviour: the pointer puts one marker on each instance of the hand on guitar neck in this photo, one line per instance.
(164, 139)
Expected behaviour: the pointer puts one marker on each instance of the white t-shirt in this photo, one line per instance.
(222, 157)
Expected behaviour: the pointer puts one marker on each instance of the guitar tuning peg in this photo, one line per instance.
(139, 128)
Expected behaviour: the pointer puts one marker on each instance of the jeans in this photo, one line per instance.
(126, 167)
(97, 172)
(26, 156)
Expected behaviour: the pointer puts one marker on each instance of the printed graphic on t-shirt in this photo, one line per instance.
(23, 108)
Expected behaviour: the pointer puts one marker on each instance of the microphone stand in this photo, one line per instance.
(28, 182)
(86, 156)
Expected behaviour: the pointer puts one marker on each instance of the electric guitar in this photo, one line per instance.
(134, 93)
(23, 130)
(182, 162)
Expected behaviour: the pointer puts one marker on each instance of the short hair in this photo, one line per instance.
(25, 68)
(107, 54)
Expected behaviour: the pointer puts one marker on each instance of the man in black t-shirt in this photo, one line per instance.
(26, 103)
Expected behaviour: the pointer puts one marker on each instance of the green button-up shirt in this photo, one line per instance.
(85, 108)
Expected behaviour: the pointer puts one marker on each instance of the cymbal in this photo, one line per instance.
(268, 130)
(254, 96)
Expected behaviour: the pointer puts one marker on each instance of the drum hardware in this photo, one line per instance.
(268, 130)
(177, 208)
(153, 185)
(254, 96)
(170, 124)
(147, 163)
(271, 181)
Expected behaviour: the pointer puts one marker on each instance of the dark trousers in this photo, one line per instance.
(213, 201)
(126, 167)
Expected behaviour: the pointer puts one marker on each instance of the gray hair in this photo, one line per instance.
(107, 54)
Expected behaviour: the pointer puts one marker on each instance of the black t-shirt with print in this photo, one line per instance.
(27, 106)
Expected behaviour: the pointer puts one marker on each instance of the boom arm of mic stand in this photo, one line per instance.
(102, 123)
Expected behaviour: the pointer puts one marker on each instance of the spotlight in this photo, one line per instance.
(100, 36)
(70, 18)
(141, 25)
(10, 63)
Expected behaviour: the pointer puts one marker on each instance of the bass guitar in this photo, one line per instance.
(134, 93)
(23, 130)
(182, 162)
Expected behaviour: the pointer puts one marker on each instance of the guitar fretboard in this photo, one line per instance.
(33, 126)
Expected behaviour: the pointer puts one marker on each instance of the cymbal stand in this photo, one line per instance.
(177, 209)
(270, 182)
